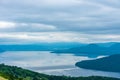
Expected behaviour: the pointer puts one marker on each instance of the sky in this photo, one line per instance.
(84, 21)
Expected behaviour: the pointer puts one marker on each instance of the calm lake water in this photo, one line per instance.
(51, 63)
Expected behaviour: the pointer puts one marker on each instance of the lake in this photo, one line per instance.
(52, 63)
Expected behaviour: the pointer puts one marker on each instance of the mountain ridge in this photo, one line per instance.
(93, 49)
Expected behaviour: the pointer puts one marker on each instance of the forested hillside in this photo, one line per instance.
(110, 63)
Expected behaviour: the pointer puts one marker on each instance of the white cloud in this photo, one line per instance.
(37, 26)
(26, 38)
(6, 25)
(25, 27)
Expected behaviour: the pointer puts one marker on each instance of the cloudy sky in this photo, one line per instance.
(85, 21)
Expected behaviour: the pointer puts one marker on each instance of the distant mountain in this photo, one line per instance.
(107, 44)
(110, 63)
(115, 47)
(1, 50)
(93, 49)
(40, 46)
(77, 48)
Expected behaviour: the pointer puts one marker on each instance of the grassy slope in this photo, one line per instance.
(1, 78)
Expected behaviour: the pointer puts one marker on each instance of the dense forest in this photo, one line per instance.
(110, 63)
(17, 73)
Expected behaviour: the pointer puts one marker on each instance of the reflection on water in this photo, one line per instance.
(76, 72)
(38, 58)
(51, 63)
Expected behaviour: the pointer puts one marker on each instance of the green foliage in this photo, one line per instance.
(16, 73)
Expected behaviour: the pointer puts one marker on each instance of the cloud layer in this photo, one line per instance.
(77, 17)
